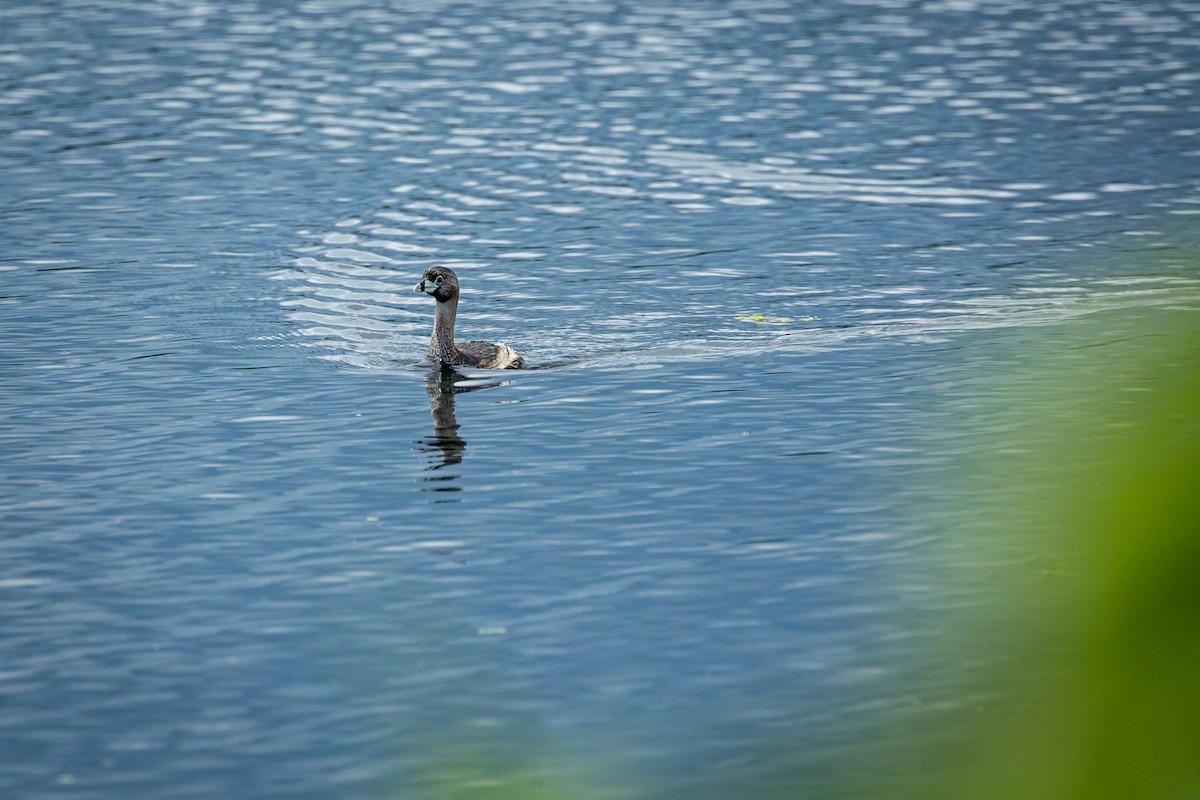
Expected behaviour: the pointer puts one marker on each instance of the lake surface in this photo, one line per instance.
(765, 258)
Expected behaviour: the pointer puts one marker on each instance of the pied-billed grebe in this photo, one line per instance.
(441, 284)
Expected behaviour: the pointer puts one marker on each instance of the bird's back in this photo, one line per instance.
(486, 355)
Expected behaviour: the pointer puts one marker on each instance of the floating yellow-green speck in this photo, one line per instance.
(763, 319)
(493, 630)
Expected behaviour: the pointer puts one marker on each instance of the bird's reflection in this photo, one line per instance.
(445, 447)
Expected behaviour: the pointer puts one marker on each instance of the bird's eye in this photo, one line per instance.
(437, 281)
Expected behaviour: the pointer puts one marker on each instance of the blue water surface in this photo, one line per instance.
(768, 261)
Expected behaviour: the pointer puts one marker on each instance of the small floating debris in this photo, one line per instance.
(763, 319)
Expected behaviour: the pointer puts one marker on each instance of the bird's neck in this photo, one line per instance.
(441, 344)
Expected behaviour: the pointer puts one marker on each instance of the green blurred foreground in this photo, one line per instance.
(1080, 518)
(1103, 491)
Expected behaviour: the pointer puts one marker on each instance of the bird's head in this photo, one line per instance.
(440, 283)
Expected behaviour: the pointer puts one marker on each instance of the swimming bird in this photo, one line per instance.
(441, 284)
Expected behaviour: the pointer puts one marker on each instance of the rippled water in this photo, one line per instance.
(763, 256)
